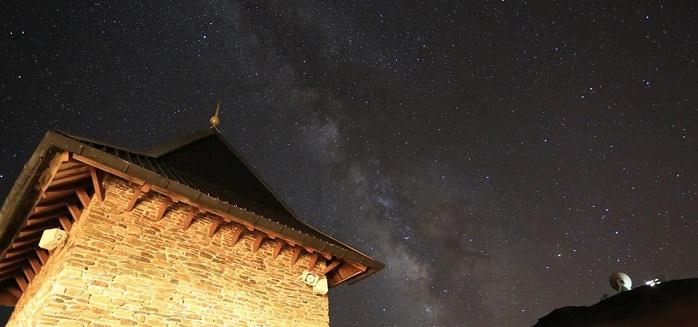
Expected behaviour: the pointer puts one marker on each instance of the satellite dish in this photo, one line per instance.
(620, 282)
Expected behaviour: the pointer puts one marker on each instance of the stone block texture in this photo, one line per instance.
(124, 268)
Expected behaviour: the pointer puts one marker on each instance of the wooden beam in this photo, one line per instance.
(257, 242)
(74, 211)
(189, 219)
(15, 252)
(81, 170)
(83, 197)
(38, 220)
(166, 201)
(344, 272)
(53, 195)
(65, 223)
(21, 282)
(42, 255)
(29, 273)
(143, 189)
(35, 264)
(29, 232)
(48, 208)
(296, 254)
(69, 180)
(331, 266)
(278, 246)
(13, 261)
(313, 260)
(214, 226)
(70, 164)
(8, 273)
(14, 291)
(237, 233)
(19, 244)
(97, 183)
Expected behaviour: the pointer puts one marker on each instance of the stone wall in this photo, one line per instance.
(124, 268)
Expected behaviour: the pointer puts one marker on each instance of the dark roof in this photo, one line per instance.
(672, 303)
(201, 166)
(206, 162)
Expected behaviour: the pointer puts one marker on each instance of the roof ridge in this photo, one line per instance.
(90, 140)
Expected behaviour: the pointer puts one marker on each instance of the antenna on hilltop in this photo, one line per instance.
(215, 120)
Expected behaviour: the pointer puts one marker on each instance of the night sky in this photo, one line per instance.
(501, 157)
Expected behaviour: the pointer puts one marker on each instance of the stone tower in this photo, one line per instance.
(184, 234)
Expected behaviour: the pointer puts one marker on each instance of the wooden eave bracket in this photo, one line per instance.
(239, 229)
(257, 242)
(214, 226)
(143, 189)
(278, 246)
(295, 255)
(166, 201)
(190, 218)
(313, 260)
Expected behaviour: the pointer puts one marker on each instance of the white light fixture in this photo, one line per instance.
(52, 238)
(318, 283)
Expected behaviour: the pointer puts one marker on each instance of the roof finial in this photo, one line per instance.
(215, 120)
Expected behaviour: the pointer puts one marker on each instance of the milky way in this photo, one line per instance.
(501, 157)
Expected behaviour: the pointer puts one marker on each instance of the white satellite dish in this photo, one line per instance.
(620, 282)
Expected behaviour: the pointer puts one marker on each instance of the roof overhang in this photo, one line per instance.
(27, 189)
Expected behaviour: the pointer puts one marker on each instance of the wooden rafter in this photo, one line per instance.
(81, 170)
(296, 254)
(39, 220)
(214, 226)
(15, 252)
(278, 246)
(42, 255)
(237, 233)
(25, 233)
(21, 282)
(344, 272)
(13, 261)
(21, 243)
(83, 197)
(69, 180)
(331, 266)
(8, 273)
(74, 211)
(70, 164)
(65, 223)
(14, 291)
(39, 209)
(97, 183)
(29, 273)
(54, 195)
(35, 264)
(257, 242)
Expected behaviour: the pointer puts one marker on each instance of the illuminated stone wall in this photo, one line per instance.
(124, 268)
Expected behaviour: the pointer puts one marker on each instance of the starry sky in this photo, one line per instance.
(501, 157)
